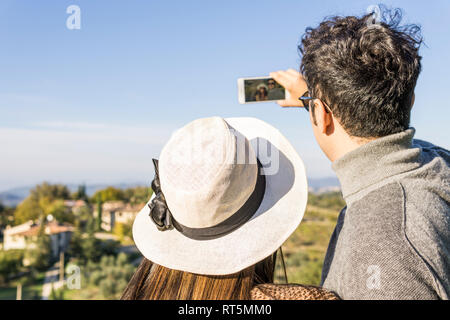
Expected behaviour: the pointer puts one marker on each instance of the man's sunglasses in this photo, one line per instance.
(308, 102)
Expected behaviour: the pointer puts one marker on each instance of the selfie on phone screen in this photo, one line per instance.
(253, 90)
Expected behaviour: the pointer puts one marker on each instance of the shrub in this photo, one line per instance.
(40, 255)
(10, 264)
(110, 275)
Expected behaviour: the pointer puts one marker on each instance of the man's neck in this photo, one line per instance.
(346, 145)
(376, 161)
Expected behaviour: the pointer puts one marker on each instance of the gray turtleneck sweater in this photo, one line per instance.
(392, 240)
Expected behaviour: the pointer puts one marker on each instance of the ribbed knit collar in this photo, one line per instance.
(376, 161)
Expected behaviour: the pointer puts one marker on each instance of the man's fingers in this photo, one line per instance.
(282, 103)
(277, 76)
(287, 104)
(293, 82)
(296, 76)
(284, 78)
(285, 75)
(294, 72)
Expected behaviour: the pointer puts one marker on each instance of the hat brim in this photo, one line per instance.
(279, 214)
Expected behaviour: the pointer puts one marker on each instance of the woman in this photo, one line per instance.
(155, 282)
(261, 92)
(218, 216)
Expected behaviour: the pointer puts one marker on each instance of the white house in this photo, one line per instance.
(23, 236)
(117, 212)
(76, 206)
(12, 238)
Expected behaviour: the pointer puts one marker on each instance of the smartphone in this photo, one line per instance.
(260, 89)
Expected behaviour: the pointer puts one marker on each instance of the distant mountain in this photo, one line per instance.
(13, 197)
(9, 199)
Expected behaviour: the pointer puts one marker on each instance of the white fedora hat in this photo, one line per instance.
(234, 190)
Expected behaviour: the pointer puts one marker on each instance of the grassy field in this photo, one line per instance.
(31, 289)
(86, 293)
(305, 250)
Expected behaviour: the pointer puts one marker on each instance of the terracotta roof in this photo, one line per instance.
(75, 203)
(136, 207)
(121, 206)
(50, 228)
(113, 205)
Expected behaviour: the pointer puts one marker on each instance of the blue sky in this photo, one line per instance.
(95, 105)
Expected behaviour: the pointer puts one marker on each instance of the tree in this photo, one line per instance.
(81, 194)
(59, 211)
(10, 264)
(35, 206)
(34, 209)
(138, 195)
(91, 246)
(50, 191)
(76, 243)
(119, 231)
(40, 255)
(84, 213)
(111, 275)
(28, 209)
(86, 248)
(6, 216)
(108, 194)
(99, 214)
(122, 230)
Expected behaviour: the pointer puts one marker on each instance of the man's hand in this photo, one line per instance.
(294, 83)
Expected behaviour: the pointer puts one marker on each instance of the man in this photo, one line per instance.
(275, 92)
(392, 240)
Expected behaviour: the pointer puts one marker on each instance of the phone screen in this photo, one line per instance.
(264, 89)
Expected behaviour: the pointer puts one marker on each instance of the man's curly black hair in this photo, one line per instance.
(365, 70)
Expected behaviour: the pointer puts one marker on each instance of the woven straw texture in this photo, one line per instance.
(290, 292)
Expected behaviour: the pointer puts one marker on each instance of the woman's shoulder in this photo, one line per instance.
(270, 291)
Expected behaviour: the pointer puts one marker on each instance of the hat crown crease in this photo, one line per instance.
(207, 172)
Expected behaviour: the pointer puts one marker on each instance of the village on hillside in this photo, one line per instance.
(54, 237)
(61, 245)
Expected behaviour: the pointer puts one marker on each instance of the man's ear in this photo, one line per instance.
(413, 100)
(321, 117)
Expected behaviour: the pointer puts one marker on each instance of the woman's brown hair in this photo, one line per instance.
(155, 282)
